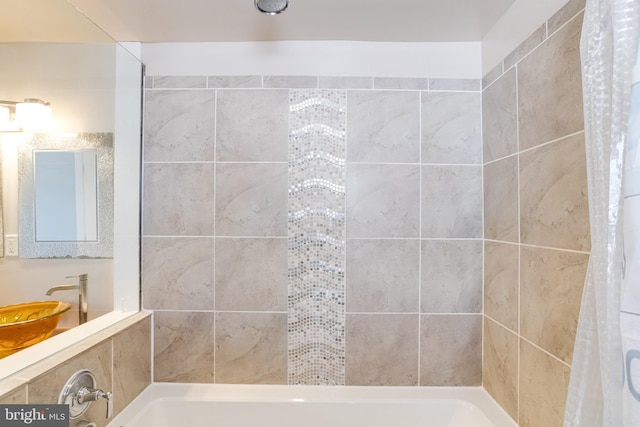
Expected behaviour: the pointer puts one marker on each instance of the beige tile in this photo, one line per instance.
(400, 83)
(451, 279)
(251, 199)
(290, 82)
(384, 126)
(451, 350)
(17, 394)
(451, 127)
(382, 275)
(543, 388)
(131, 363)
(554, 211)
(550, 295)
(382, 349)
(471, 85)
(246, 82)
(451, 201)
(383, 200)
(179, 82)
(98, 359)
(526, 46)
(501, 269)
(178, 199)
(501, 200)
(550, 88)
(345, 82)
(251, 274)
(179, 125)
(499, 118)
(183, 346)
(252, 125)
(251, 348)
(568, 11)
(177, 273)
(492, 75)
(500, 366)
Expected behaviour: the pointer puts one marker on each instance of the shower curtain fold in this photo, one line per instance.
(599, 393)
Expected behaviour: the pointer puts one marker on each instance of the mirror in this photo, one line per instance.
(66, 196)
(50, 51)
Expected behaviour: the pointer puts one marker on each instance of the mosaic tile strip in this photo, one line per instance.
(317, 236)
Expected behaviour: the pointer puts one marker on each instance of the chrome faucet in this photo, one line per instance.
(83, 308)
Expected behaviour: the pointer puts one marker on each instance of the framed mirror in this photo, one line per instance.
(66, 196)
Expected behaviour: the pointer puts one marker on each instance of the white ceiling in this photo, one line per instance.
(238, 20)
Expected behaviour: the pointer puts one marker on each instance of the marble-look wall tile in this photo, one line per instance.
(179, 125)
(251, 199)
(251, 348)
(500, 366)
(451, 350)
(178, 199)
(383, 126)
(492, 76)
(382, 275)
(451, 128)
(451, 276)
(553, 195)
(183, 346)
(252, 125)
(15, 396)
(499, 118)
(46, 388)
(251, 274)
(466, 85)
(451, 201)
(544, 382)
(550, 88)
(550, 295)
(501, 200)
(381, 349)
(537, 37)
(179, 82)
(177, 273)
(561, 17)
(383, 200)
(290, 82)
(345, 82)
(501, 288)
(225, 82)
(401, 83)
(131, 363)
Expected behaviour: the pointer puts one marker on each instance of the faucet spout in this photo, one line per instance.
(61, 288)
(83, 309)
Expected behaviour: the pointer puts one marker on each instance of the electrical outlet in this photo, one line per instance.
(11, 245)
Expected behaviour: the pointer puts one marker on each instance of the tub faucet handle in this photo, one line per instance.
(86, 394)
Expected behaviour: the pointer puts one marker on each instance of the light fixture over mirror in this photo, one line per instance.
(30, 115)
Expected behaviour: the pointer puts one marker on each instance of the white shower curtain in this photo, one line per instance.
(603, 390)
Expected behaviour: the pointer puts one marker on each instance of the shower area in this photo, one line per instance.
(379, 231)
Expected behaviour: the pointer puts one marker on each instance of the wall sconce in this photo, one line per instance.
(31, 115)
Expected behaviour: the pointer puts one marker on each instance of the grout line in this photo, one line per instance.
(526, 150)
(215, 192)
(544, 351)
(420, 194)
(516, 70)
(575, 251)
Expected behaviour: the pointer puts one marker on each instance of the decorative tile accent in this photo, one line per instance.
(317, 139)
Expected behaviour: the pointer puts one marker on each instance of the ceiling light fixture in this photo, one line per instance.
(30, 115)
(271, 7)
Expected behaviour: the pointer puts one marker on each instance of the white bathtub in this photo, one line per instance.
(170, 405)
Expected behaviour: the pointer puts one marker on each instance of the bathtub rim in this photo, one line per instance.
(475, 396)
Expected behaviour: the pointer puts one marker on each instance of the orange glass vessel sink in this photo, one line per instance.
(23, 325)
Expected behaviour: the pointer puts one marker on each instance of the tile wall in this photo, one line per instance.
(536, 224)
(215, 239)
(119, 357)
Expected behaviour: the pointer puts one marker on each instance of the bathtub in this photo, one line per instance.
(170, 405)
